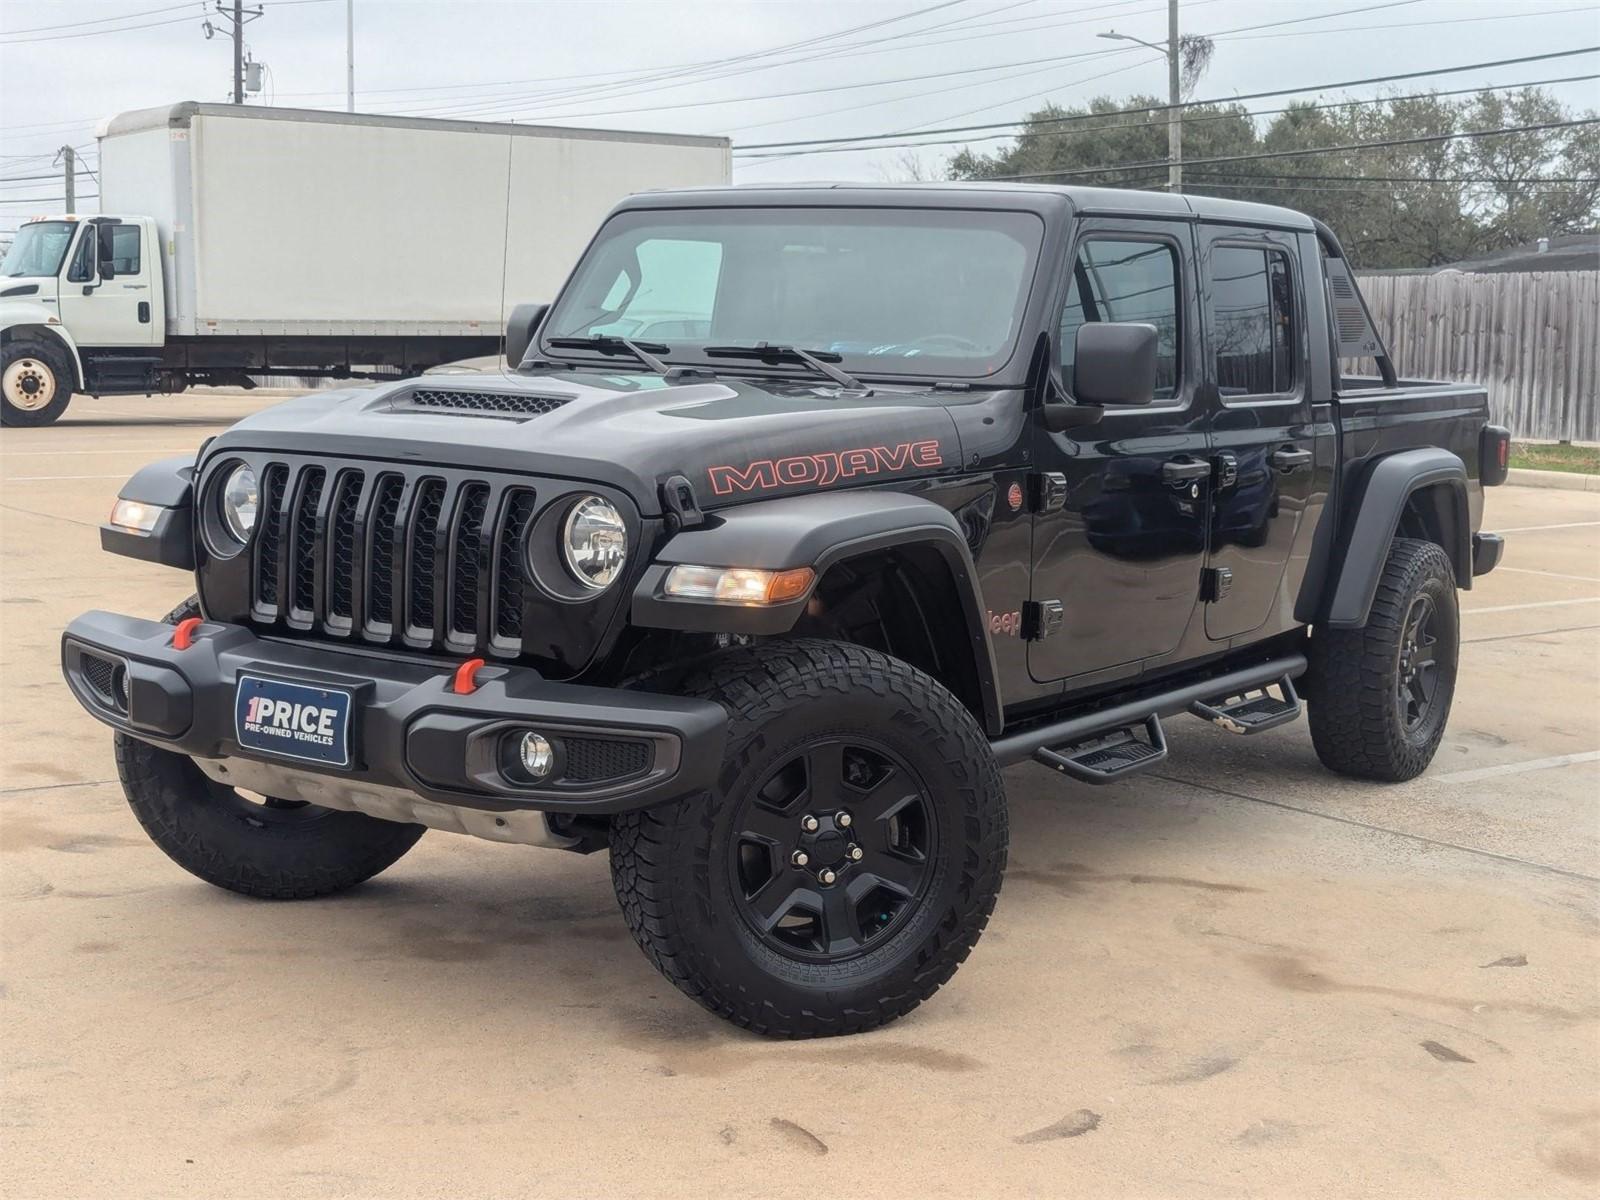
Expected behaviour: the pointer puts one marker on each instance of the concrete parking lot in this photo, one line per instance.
(1239, 976)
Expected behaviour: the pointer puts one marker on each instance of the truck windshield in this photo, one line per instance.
(38, 249)
(889, 291)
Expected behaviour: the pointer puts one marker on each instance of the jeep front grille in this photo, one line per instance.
(392, 555)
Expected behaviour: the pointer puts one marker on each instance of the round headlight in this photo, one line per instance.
(595, 542)
(241, 499)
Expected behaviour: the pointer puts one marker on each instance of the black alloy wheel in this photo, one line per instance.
(832, 850)
(1417, 680)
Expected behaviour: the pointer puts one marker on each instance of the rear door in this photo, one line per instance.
(1120, 505)
(1264, 439)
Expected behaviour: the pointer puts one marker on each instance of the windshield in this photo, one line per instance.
(39, 249)
(890, 291)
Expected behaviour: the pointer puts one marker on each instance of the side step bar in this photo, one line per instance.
(1251, 711)
(1074, 731)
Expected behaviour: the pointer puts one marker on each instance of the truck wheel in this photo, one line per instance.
(277, 850)
(35, 383)
(846, 861)
(1379, 696)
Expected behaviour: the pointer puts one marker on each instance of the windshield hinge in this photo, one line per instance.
(945, 385)
(680, 505)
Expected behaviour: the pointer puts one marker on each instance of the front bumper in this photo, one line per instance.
(410, 734)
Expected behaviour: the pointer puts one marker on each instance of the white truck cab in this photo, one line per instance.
(70, 283)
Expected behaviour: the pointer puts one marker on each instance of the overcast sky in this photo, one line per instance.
(591, 62)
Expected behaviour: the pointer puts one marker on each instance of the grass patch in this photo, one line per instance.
(1546, 456)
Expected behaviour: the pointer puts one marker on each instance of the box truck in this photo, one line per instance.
(236, 242)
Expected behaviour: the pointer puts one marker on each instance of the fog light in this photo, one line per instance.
(537, 755)
(125, 688)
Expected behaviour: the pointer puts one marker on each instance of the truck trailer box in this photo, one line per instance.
(296, 223)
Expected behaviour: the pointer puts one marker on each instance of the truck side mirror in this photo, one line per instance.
(1115, 363)
(524, 323)
(106, 258)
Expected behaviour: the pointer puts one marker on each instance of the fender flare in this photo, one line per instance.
(816, 531)
(168, 485)
(25, 318)
(1378, 506)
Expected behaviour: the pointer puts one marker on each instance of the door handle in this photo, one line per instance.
(144, 312)
(1185, 470)
(1289, 458)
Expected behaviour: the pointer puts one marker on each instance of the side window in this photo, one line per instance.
(125, 249)
(1252, 336)
(1115, 280)
(82, 268)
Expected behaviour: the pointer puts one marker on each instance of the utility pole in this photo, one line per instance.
(238, 51)
(350, 55)
(1174, 98)
(68, 157)
(1173, 52)
(240, 16)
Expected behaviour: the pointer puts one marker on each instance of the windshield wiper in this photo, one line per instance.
(610, 343)
(816, 360)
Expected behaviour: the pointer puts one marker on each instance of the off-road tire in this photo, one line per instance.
(211, 831)
(668, 863)
(43, 357)
(1357, 724)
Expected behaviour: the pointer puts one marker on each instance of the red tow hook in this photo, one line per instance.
(465, 682)
(183, 635)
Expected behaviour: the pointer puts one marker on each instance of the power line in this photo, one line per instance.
(148, 12)
(1188, 104)
(822, 45)
(1265, 154)
(1158, 111)
(50, 199)
(515, 103)
(58, 37)
(1516, 16)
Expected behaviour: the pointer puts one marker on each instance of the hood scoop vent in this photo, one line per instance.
(513, 405)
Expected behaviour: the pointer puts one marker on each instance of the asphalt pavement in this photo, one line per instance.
(1238, 976)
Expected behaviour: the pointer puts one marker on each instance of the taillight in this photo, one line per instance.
(1494, 455)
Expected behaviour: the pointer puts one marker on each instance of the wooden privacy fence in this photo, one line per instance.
(1531, 338)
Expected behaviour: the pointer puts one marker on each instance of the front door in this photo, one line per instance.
(116, 311)
(1263, 436)
(1120, 505)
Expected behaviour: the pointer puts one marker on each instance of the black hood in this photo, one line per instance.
(735, 439)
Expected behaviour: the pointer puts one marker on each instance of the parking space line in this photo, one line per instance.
(1537, 528)
(1552, 574)
(1497, 608)
(52, 478)
(77, 453)
(1532, 633)
(1399, 833)
(1518, 768)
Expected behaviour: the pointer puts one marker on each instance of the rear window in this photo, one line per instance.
(1252, 321)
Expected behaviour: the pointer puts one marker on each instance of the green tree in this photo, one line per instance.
(1411, 205)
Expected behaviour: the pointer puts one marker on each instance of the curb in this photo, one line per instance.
(1566, 481)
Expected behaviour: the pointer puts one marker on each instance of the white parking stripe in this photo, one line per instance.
(1536, 528)
(1535, 604)
(75, 452)
(1550, 574)
(1517, 768)
(49, 478)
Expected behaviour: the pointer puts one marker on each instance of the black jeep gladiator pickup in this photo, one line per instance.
(804, 511)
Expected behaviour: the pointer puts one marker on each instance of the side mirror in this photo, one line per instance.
(524, 323)
(104, 259)
(1115, 364)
